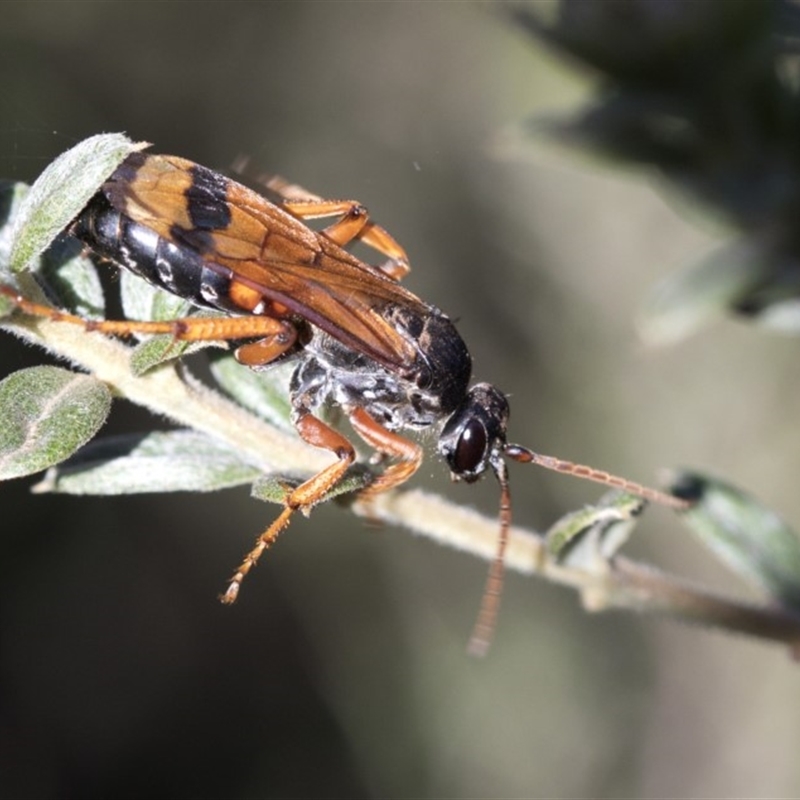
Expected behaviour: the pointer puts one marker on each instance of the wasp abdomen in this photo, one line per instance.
(180, 270)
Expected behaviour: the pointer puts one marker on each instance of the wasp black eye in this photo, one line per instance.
(475, 435)
(470, 448)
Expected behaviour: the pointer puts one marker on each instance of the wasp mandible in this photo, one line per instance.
(358, 339)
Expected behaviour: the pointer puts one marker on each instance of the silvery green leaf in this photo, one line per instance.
(266, 392)
(72, 277)
(274, 488)
(154, 351)
(69, 276)
(47, 413)
(142, 300)
(162, 348)
(750, 539)
(61, 192)
(589, 537)
(162, 461)
(11, 197)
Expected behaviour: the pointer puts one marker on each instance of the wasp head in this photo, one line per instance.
(475, 435)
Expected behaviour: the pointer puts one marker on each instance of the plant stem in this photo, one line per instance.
(621, 583)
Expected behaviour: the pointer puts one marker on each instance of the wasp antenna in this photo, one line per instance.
(525, 456)
(483, 632)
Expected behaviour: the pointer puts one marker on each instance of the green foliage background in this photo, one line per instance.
(341, 672)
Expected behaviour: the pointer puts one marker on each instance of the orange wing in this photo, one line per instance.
(267, 249)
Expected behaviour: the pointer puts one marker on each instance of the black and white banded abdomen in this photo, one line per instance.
(182, 271)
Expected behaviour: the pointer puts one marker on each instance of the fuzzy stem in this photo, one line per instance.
(624, 584)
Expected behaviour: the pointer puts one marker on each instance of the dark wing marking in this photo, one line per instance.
(267, 249)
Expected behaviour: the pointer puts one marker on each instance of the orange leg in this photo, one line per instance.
(306, 495)
(268, 348)
(390, 444)
(277, 336)
(354, 224)
(313, 490)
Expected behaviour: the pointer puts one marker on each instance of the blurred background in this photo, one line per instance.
(342, 670)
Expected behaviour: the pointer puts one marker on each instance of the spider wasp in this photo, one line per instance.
(358, 338)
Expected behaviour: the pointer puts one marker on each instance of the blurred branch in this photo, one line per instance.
(706, 96)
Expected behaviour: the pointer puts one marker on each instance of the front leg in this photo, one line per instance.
(388, 443)
(305, 496)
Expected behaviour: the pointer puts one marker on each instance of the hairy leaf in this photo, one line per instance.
(47, 413)
(750, 539)
(162, 461)
(61, 192)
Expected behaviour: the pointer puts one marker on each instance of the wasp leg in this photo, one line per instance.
(317, 433)
(354, 224)
(396, 266)
(390, 444)
(268, 348)
(278, 335)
